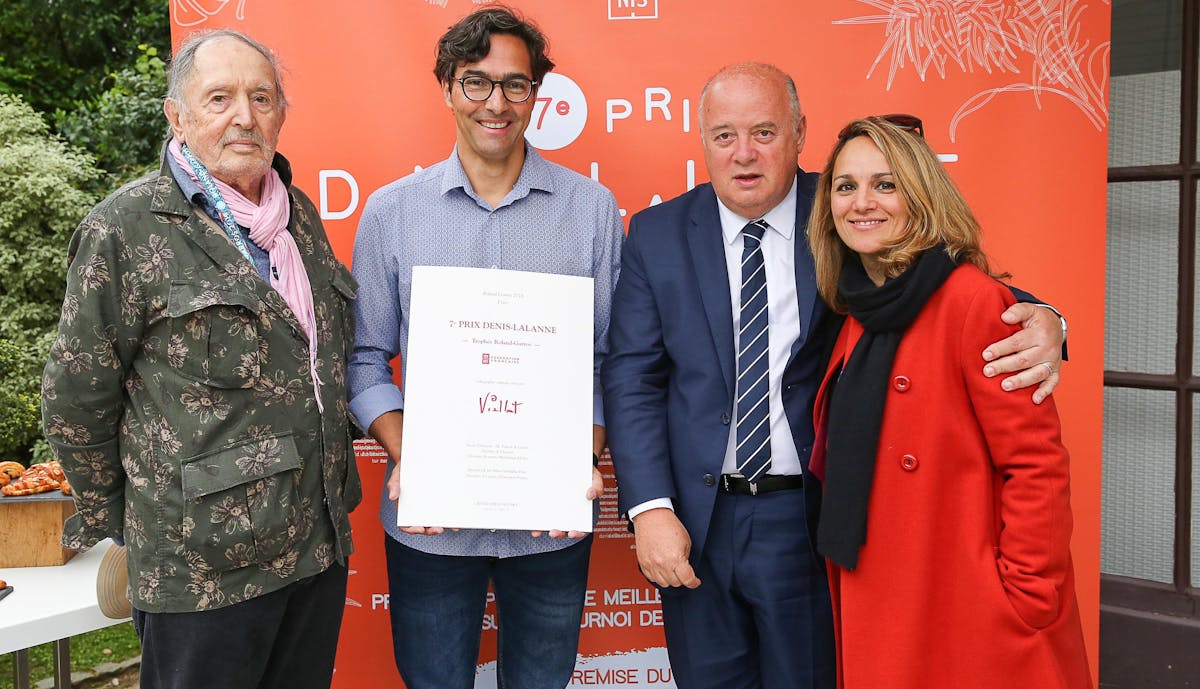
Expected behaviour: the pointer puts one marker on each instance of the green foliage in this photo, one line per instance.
(57, 53)
(43, 195)
(122, 127)
(41, 452)
(19, 415)
(93, 67)
(87, 651)
(42, 198)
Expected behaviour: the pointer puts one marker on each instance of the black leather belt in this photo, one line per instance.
(736, 483)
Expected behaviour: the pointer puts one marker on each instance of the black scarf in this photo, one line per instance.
(856, 403)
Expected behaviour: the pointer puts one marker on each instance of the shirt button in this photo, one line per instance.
(901, 383)
(909, 463)
(710, 480)
(725, 418)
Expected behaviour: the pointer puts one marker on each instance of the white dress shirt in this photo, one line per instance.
(783, 311)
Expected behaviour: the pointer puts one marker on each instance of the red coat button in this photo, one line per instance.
(901, 383)
(909, 463)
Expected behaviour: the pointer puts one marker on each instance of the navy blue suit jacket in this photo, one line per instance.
(670, 372)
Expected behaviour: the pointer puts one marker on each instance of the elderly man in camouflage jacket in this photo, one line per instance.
(196, 393)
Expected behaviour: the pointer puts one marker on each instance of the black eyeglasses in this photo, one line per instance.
(515, 89)
(909, 123)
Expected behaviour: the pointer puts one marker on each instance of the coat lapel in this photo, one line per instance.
(708, 259)
(210, 237)
(168, 199)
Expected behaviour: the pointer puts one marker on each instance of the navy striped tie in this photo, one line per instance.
(753, 452)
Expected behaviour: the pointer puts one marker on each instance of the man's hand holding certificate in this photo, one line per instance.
(498, 401)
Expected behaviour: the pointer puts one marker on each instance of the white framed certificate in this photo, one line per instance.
(497, 400)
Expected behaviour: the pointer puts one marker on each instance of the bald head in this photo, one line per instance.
(752, 130)
(768, 76)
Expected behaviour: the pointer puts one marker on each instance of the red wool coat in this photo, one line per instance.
(965, 580)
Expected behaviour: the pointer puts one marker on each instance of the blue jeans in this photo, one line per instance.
(437, 602)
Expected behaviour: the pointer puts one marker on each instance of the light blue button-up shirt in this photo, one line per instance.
(553, 221)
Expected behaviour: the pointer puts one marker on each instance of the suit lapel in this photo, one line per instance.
(708, 259)
(806, 280)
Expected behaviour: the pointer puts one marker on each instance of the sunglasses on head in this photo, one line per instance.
(909, 123)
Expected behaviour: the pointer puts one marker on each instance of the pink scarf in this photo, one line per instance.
(267, 221)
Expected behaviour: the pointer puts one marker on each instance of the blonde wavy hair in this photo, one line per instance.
(937, 211)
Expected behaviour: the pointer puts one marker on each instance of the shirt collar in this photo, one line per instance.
(781, 218)
(196, 196)
(191, 191)
(535, 174)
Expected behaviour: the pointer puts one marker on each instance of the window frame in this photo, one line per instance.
(1179, 597)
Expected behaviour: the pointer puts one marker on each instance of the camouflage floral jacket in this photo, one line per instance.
(179, 400)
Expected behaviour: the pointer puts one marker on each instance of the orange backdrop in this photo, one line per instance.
(1013, 93)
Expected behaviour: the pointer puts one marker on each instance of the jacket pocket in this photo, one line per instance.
(214, 335)
(1034, 599)
(241, 503)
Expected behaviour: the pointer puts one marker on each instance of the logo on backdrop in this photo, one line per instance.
(558, 115)
(195, 12)
(633, 9)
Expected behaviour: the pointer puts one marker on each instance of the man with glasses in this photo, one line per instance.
(494, 203)
(717, 344)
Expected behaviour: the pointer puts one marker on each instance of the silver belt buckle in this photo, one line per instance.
(753, 487)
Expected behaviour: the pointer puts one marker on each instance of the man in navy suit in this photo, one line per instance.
(744, 596)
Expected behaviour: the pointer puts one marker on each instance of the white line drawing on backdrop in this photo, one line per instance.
(189, 13)
(443, 3)
(196, 12)
(995, 35)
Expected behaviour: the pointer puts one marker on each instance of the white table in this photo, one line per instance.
(51, 604)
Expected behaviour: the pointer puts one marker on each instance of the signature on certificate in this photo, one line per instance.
(491, 403)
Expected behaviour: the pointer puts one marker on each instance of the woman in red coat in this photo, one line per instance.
(946, 516)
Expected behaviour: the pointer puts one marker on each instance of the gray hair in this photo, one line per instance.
(759, 70)
(184, 60)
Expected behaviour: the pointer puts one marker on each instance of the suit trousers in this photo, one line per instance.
(761, 617)
(285, 639)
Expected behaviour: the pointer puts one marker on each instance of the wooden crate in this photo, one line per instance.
(31, 527)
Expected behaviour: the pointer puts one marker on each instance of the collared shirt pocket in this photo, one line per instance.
(242, 505)
(214, 335)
